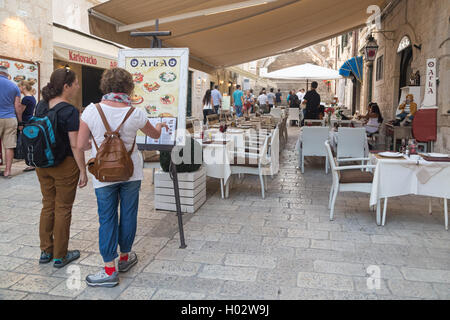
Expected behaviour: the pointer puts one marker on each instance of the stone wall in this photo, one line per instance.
(26, 33)
(426, 23)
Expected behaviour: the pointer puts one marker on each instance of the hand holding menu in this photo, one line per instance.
(167, 136)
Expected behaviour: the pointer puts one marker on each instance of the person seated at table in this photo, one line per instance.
(408, 110)
(374, 119)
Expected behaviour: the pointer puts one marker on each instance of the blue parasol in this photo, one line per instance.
(353, 65)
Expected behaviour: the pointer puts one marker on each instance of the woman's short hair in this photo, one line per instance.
(117, 80)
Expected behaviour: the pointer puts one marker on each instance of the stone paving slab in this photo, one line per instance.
(243, 247)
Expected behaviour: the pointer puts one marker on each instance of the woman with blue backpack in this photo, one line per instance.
(58, 169)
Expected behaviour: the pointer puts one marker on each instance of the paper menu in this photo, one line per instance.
(167, 136)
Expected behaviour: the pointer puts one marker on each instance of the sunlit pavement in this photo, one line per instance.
(244, 247)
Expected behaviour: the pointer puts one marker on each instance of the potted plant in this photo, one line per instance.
(191, 179)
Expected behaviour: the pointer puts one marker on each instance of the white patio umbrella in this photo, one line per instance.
(305, 71)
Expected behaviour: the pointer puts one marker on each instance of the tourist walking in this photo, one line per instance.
(207, 105)
(114, 231)
(263, 102)
(217, 99)
(59, 182)
(28, 105)
(271, 99)
(278, 96)
(248, 103)
(10, 116)
(238, 101)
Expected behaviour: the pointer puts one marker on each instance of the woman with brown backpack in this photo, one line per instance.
(113, 124)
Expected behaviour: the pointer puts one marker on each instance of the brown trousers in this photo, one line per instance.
(58, 187)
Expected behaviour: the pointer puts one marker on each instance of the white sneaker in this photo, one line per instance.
(102, 279)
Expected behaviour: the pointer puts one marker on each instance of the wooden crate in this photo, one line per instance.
(192, 191)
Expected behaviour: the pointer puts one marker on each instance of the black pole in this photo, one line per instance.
(157, 43)
(174, 177)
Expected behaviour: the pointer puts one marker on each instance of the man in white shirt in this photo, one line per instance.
(301, 94)
(263, 102)
(217, 99)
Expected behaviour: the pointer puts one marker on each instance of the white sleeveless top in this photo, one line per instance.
(372, 125)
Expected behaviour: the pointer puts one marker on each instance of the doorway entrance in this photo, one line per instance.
(406, 57)
(91, 85)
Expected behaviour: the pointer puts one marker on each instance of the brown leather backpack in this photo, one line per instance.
(113, 162)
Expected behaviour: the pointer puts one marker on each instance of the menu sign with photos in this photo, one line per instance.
(160, 79)
(22, 70)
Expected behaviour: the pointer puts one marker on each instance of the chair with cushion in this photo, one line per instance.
(312, 142)
(347, 178)
(212, 119)
(294, 115)
(351, 143)
(314, 123)
(261, 163)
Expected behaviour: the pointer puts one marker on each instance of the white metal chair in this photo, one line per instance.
(259, 163)
(294, 115)
(314, 123)
(276, 112)
(351, 143)
(312, 144)
(347, 178)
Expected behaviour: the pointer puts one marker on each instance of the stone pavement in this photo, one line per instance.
(244, 247)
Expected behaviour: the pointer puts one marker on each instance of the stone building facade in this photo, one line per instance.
(26, 33)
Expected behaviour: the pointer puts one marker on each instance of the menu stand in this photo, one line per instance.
(157, 43)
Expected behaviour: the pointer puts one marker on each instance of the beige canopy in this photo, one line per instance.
(220, 39)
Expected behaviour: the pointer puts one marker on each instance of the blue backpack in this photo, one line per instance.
(41, 144)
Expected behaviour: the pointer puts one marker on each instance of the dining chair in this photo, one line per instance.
(347, 178)
(311, 145)
(314, 123)
(351, 143)
(294, 115)
(261, 163)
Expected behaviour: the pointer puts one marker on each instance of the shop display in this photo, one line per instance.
(22, 70)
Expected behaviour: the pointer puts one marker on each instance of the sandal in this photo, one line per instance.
(71, 256)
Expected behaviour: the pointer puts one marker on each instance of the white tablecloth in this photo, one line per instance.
(402, 177)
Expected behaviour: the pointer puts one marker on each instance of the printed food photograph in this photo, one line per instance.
(19, 78)
(150, 109)
(151, 87)
(168, 76)
(5, 64)
(138, 77)
(32, 68)
(167, 99)
(136, 99)
(19, 66)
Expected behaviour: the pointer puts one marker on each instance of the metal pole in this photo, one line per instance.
(174, 176)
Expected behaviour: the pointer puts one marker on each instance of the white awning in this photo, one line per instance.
(303, 72)
(76, 48)
(230, 37)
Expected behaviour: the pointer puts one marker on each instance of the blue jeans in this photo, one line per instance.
(403, 115)
(239, 111)
(113, 232)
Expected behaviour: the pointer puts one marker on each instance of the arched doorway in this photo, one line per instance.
(406, 57)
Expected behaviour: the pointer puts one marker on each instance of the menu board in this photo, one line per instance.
(226, 102)
(22, 70)
(160, 78)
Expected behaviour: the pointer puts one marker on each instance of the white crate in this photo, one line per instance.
(192, 190)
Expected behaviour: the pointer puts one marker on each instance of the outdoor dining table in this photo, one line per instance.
(403, 176)
(219, 151)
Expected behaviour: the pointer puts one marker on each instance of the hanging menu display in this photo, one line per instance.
(22, 70)
(160, 78)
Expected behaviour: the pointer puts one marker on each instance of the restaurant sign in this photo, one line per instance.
(86, 59)
(430, 84)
